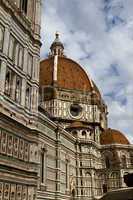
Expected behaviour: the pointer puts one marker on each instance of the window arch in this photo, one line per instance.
(114, 175)
(84, 134)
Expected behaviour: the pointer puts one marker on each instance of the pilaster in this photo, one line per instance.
(2, 77)
(37, 18)
(58, 160)
(25, 60)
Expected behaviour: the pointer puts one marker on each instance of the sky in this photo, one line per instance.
(99, 35)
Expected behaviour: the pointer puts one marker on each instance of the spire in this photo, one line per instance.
(57, 46)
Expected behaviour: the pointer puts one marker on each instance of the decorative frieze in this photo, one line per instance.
(9, 145)
(14, 146)
(61, 109)
(13, 191)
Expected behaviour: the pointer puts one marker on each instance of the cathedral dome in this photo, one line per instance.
(70, 75)
(62, 72)
(111, 136)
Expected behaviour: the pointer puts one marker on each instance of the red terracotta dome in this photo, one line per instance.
(64, 73)
(70, 75)
(111, 136)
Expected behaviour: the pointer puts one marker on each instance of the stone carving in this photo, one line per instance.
(6, 191)
(19, 192)
(14, 146)
(15, 149)
(24, 193)
(34, 153)
(10, 145)
(26, 151)
(31, 193)
(12, 191)
(3, 142)
(21, 149)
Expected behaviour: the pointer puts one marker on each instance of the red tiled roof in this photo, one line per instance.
(111, 136)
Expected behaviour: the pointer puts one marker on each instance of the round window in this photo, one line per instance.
(75, 110)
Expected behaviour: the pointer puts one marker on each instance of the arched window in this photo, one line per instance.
(114, 180)
(96, 178)
(23, 5)
(107, 162)
(101, 179)
(124, 161)
(88, 184)
(84, 134)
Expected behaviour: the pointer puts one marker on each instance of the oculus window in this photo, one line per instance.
(75, 110)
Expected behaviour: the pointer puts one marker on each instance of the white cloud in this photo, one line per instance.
(99, 35)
